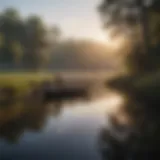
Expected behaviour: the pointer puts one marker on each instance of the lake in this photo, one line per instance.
(56, 130)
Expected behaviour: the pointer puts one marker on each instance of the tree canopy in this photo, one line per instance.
(139, 20)
(29, 43)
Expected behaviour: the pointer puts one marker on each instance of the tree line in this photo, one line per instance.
(140, 21)
(27, 43)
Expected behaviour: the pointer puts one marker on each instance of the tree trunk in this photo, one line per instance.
(145, 28)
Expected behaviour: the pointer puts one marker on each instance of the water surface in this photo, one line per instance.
(59, 130)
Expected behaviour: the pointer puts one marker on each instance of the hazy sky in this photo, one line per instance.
(77, 18)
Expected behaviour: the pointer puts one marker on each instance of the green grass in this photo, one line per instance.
(22, 81)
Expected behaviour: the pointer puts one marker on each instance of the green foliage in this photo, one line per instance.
(1, 40)
(155, 27)
(143, 62)
(23, 41)
(27, 43)
(36, 41)
(22, 81)
(17, 51)
(141, 86)
(144, 24)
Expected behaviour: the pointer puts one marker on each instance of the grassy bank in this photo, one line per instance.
(23, 81)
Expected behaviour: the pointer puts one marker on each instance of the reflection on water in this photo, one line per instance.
(15, 119)
(132, 132)
(113, 127)
(32, 129)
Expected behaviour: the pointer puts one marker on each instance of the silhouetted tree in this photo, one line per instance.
(136, 138)
(139, 20)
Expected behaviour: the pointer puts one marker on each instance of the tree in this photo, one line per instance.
(130, 17)
(17, 50)
(36, 42)
(11, 27)
(54, 34)
(141, 87)
(28, 42)
(1, 40)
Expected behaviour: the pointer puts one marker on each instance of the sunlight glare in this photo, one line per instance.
(113, 43)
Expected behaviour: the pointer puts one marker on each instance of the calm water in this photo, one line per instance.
(59, 130)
